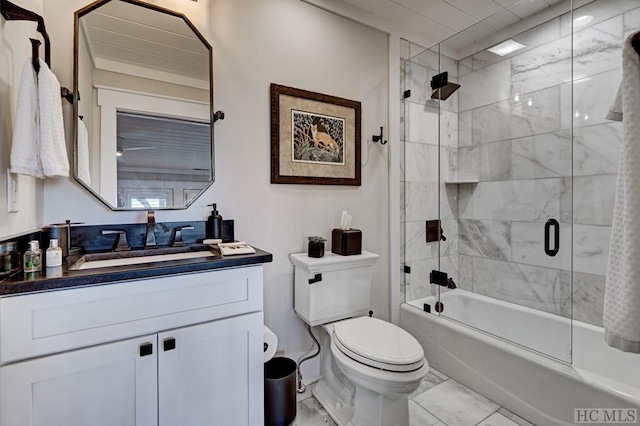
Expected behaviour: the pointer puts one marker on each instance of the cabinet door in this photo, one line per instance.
(108, 385)
(212, 373)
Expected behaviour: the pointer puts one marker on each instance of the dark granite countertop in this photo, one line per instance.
(63, 278)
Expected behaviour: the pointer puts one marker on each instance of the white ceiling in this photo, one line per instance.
(137, 37)
(438, 20)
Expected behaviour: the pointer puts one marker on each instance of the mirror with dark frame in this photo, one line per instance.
(143, 131)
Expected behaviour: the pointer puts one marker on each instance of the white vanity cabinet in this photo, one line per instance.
(209, 378)
(109, 384)
(180, 350)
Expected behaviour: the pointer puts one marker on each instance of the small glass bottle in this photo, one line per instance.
(53, 254)
(16, 258)
(33, 257)
(5, 260)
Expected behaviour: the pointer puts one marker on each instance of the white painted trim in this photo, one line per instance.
(151, 95)
(149, 73)
(87, 40)
(395, 296)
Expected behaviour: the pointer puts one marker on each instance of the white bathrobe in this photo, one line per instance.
(39, 147)
(25, 145)
(621, 317)
(82, 154)
(53, 146)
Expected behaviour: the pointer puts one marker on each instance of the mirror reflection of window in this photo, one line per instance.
(136, 198)
(147, 158)
(146, 149)
(148, 203)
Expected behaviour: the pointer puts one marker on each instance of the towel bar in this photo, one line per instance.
(12, 12)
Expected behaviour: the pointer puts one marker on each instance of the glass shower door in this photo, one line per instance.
(503, 193)
(420, 186)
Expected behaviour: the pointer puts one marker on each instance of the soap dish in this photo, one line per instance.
(230, 249)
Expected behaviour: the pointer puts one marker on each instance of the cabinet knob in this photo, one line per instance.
(169, 344)
(146, 349)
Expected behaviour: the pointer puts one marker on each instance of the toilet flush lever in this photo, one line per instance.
(317, 278)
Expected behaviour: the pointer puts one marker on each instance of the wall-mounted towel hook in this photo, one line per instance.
(12, 12)
(378, 138)
(218, 115)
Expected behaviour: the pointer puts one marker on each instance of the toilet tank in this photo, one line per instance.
(332, 287)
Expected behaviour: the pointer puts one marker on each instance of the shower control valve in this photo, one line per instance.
(440, 278)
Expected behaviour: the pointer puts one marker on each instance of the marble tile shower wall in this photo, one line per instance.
(421, 191)
(515, 127)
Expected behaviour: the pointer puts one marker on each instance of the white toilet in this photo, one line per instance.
(368, 366)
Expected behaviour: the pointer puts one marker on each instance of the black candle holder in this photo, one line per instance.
(316, 247)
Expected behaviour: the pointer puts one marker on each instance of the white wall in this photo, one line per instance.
(255, 43)
(15, 50)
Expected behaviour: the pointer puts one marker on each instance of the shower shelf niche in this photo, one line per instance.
(461, 181)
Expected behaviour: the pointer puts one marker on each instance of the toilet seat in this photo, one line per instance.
(378, 344)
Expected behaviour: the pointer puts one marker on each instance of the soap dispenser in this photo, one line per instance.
(53, 255)
(33, 257)
(214, 223)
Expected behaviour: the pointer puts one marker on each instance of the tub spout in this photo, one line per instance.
(451, 283)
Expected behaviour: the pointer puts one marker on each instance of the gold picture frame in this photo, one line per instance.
(315, 138)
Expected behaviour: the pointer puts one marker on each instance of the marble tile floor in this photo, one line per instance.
(439, 401)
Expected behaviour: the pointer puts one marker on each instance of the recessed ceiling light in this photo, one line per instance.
(582, 20)
(506, 47)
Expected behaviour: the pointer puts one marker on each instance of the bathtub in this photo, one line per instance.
(539, 388)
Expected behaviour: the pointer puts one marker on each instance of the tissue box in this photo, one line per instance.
(346, 242)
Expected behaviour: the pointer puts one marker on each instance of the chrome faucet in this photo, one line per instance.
(150, 239)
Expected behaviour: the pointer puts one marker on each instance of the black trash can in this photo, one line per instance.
(279, 391)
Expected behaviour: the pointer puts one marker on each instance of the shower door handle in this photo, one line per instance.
(556, 240)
